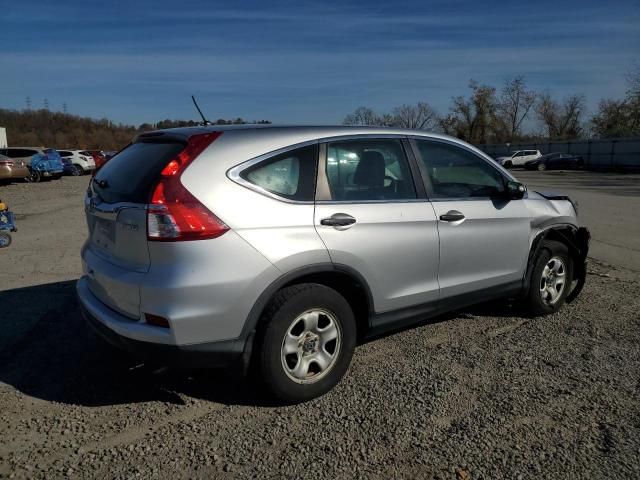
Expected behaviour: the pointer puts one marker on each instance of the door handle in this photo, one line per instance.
(338, 220)
(452, 216)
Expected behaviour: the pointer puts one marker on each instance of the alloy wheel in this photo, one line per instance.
(311, 346)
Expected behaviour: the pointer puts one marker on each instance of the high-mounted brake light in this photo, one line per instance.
(174, 214)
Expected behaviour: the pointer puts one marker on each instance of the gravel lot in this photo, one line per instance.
(483, 393)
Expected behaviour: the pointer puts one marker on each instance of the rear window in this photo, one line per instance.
(132, 173)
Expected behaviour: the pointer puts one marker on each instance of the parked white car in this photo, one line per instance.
(82, 161)
(518, 158)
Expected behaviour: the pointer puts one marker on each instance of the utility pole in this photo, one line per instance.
(46, 104)
(64, 107)
(28, 103)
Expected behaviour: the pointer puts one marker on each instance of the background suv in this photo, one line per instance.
(280, 247)
(82, 161)
(518, 158)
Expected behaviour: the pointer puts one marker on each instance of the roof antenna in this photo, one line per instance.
(204, 120)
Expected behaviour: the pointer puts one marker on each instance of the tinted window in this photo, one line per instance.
(368, 170)
(20, 152)
(290, 175)
(132, 173)
(458, 173)
(64, 153)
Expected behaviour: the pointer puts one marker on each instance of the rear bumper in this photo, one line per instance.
(104, 322)
(20, 172)
(13, 172)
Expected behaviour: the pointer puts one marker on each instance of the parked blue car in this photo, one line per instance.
(68, 168)
(45, 165)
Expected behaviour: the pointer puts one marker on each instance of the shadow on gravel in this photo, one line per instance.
(47, 352)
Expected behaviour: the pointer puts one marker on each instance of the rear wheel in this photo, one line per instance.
(307, 343)
(550, 279)
(77, 171)
(5, 239)
(542, 167)
(34, 176)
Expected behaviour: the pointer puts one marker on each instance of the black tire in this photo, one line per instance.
(508, 164)
(286, 306)
(541, 167)
(34, 176)
(536, 304)
(77, 171)
(5, 239)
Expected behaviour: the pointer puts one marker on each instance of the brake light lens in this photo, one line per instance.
(174, 214)
(8, 163)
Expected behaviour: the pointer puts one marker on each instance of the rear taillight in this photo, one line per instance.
(6, 163)
(174, 214)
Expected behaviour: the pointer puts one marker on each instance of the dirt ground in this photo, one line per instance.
(483, 393)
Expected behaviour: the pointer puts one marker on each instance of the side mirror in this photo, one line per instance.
(515, 190)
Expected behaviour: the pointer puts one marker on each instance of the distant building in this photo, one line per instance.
(3, 137)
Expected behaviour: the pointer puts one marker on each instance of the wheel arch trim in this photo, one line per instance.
(298, 273)
(248, 333)
(577, 241)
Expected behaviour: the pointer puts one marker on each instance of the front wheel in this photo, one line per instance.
(307, 343)
(508, 164)
(5, 239)
(551, 279)
(542, 167)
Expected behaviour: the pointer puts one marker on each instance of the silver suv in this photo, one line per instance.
(280, 248)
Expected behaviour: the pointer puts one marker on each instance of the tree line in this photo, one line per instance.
(62, 130)
(514, 113)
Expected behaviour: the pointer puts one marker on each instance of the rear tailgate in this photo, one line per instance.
(116, 252)
(88, 157)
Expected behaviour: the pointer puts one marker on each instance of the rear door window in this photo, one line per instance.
(372, 169)
(130, 175)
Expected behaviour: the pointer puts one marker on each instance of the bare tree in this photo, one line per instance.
(472, 119)
(620, 118)
(420, 116)
(362, 116)
(514, 104)
(561, 120)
